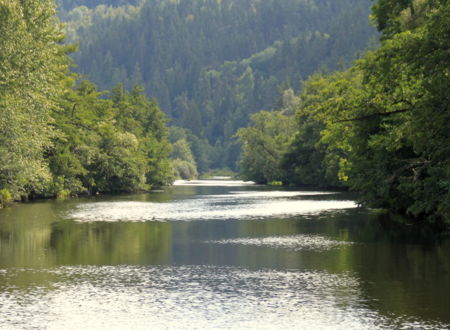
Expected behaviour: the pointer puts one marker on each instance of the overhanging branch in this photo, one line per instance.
(372, 115)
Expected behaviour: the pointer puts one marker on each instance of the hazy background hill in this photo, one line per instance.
(211, 63)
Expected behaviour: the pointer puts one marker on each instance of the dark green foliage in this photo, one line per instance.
(386, 14)
(309, 159)
(408, 81)
(381, 128)
(213, 63)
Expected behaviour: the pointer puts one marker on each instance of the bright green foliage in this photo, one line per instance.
(76, 146)
(199, 147)
(5, 197)
(145, 120)
(184, 162)
(184, 170)
(263, 145)
(116, 144)
(182, 150)
(32, 65)
(57, 139)
(312, 158)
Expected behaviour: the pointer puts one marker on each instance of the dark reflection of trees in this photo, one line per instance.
(111, 243)
(24, 235)
(399, 229)
(33, 235)
(403, 269)
(369, 226)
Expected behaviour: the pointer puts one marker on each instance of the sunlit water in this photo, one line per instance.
(233, 205)
(297, 242)
(216, 255)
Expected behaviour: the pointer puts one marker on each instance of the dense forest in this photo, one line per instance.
(380, 127)
(211, 63)
(59, 135)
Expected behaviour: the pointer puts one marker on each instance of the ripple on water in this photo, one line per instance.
(189, 297)
(295, 242)
(235, 205)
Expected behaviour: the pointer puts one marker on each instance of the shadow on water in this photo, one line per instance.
(401, 229)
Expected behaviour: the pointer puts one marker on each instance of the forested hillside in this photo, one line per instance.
(211, 63)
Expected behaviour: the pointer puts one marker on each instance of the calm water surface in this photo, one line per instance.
(217, 254)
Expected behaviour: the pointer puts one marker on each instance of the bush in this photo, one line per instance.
(63, 194)
(5, 197)
(184, 170)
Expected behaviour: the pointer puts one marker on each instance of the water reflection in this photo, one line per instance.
(45, 243)
(261, 257)
(296, 243)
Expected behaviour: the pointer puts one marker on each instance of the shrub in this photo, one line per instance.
(5, 197)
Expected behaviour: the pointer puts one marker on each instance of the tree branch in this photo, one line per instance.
(372, 115)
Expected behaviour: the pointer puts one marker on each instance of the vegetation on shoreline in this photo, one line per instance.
(220, 173)
(380, 128)
(60, 136)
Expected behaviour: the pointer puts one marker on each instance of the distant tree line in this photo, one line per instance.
(380, 127)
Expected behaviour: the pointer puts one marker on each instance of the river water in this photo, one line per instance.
(217, 255)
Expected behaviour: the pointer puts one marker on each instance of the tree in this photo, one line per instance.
(314, 157)
(391, 124)
(143, 118)
(184, 163)
(407, 82)
(381, 127)
(263, 145)
(32, 66)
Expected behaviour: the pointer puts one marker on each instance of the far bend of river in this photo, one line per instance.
(217, 254)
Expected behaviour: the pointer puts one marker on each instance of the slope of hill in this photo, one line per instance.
(211, 63)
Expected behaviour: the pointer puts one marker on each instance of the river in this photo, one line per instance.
(217, 254)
